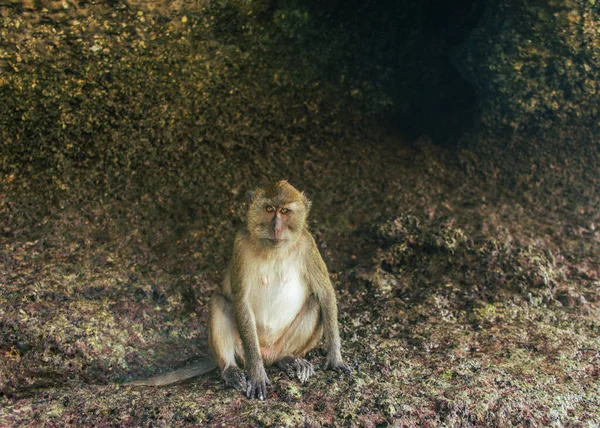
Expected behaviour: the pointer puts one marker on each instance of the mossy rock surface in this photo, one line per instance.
(535, 64)
(467, 276)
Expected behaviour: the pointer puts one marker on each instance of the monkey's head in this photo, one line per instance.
(277, 215)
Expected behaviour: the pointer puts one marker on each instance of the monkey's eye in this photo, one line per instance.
(284, 210)
(270, 209)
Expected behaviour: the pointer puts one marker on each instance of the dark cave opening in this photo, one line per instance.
(440, 101)
(416, 41)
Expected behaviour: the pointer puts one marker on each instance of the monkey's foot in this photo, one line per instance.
(296, 367)
(235, 378)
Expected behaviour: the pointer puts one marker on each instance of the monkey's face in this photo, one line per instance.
(277, 215)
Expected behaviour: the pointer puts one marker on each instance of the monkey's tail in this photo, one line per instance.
(196, 369)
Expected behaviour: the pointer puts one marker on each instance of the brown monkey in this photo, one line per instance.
(276, 301)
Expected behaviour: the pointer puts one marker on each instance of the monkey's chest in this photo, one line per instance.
(277, 296)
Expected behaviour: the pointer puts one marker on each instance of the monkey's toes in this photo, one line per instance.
(235, 378)
(297, 367)
(304, 370)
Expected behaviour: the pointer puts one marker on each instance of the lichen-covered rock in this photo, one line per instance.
(392, 229)
(419, 258)
(535, 63)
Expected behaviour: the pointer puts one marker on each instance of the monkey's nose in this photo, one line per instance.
(277, 226)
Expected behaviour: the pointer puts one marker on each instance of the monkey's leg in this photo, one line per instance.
(302, 335)
(225, 342)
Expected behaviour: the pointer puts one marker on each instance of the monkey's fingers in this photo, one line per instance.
(257, 389)
(235, 378)
(344, 369)
(340, 367)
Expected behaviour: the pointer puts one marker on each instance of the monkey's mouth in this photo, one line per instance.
(275, 241)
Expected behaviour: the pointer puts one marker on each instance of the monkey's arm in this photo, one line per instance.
(246, 324)
(321, 286)
(257, 377)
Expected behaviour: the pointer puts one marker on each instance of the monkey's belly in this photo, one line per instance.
(276, 302)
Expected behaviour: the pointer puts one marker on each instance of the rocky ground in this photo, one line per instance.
(463, 299)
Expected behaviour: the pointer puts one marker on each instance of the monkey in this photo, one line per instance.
(276, 301)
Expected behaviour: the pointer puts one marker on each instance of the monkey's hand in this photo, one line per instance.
(235, 378)
(256, 385)
(336, 364)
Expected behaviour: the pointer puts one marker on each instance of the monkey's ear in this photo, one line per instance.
(307, 202)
